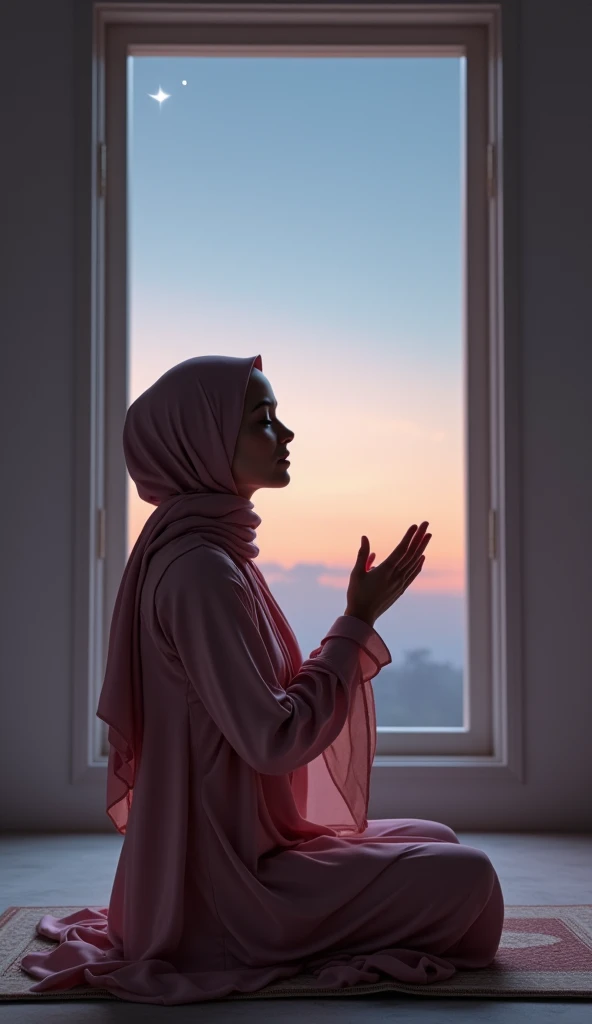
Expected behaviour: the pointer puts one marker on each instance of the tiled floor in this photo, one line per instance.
(78, 870)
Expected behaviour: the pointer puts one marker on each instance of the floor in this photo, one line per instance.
(76, 870)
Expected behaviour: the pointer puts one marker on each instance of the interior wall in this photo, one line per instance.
(45, 48)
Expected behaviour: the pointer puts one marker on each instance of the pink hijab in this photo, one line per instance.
(179, 439)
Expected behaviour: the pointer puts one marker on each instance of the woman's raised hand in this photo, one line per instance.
(372, 591)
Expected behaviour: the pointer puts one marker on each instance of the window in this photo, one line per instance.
(323, 188)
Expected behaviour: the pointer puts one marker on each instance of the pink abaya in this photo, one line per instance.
(239, 774)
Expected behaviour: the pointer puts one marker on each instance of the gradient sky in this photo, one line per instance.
(309, 209)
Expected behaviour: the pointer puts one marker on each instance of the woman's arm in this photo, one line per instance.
(207, 616)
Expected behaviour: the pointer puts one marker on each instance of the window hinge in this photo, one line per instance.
(491, 169)
(492, 534)
(101, 538)
(102, 169)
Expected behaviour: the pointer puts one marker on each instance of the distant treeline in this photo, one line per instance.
(419, 691)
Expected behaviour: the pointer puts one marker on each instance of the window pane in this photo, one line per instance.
(311, 209)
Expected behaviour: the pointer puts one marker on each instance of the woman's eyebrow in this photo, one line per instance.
(264, 401)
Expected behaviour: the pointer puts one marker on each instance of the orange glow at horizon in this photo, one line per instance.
(374, 450)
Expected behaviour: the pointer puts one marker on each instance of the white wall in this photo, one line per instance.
(45, 48)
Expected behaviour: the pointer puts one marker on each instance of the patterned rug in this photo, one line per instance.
(544, 951)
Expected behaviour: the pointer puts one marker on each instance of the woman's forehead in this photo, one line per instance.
(259, 385)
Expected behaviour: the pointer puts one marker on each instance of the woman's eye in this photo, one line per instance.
(267, 423)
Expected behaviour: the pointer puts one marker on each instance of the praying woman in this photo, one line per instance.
(239, 773)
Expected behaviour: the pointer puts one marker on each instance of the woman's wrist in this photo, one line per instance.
(365, 617)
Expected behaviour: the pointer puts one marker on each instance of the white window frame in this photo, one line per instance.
(490, 742)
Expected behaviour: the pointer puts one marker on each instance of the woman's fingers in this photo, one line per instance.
(410, 559)
(414, 571)
(408, 545)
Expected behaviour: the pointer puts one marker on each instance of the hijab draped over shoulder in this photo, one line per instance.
(179, 440)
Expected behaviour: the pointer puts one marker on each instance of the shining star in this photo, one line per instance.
(160, 95)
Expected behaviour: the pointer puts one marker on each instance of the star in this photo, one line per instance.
(160, 95)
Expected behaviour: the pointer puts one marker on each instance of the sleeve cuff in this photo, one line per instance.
(377, 654)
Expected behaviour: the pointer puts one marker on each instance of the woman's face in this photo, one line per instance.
(261, 442)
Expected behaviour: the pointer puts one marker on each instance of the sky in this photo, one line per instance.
(310, 210)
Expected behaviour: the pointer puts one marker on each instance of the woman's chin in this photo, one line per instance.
(281, 474)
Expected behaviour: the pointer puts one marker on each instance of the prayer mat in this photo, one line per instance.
(544, 952)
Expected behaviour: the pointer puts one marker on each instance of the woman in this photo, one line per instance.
(238, 774)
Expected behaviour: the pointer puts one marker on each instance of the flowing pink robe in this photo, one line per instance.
(246, 859)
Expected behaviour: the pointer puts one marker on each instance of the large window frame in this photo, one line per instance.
(489, 743)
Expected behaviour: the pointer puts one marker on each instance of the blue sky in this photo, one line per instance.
(333, 177)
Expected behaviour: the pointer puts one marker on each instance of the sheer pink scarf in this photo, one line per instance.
(179, 439)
